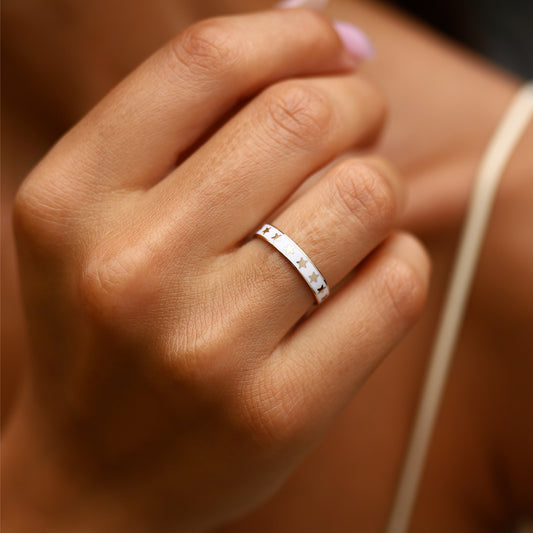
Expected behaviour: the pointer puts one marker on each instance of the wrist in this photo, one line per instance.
(41, 493)
(49, 487)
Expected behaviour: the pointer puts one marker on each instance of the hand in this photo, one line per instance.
(174, 383)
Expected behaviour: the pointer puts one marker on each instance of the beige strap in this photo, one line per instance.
(495, 160)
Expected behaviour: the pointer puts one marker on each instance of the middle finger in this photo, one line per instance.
(257, 159)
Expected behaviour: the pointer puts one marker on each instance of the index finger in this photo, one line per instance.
(137, 133)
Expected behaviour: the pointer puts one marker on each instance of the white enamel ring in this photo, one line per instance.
(298, 259)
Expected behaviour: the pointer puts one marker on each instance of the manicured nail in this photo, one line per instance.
(355, 40)
(313, 4)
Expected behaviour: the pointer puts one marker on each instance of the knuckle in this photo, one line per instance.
(206, 47)
(365, 194)
(115, 287)
(26, 207)
(203, 352)
(101, 285)
(301, 111)
(273, 414)
(40, 214)
(209, 334)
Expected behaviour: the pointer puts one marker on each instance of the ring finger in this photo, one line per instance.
(337, 224)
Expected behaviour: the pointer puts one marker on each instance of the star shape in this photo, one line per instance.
(313, 277)
(321, 288)
(277, 236)
(266, 230)
(302, 263)
(289, 249)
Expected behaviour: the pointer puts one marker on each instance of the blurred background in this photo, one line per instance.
(501, 30)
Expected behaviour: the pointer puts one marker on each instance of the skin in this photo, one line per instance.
(476, 476)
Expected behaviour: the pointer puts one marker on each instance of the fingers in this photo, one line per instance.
(319, 366)
(337, 223)
(253, 163)
(136, 134)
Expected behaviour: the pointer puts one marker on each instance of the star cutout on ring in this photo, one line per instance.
(302, 263)
(289, 249)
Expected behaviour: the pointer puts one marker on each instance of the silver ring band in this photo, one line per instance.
(298, 259)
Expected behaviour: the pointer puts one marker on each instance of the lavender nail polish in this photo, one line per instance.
(354, 39)
(314, 4)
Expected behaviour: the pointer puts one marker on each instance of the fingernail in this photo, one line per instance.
(313, 4)
(355, 40)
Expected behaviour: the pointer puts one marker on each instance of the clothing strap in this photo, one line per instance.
(493, 164)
